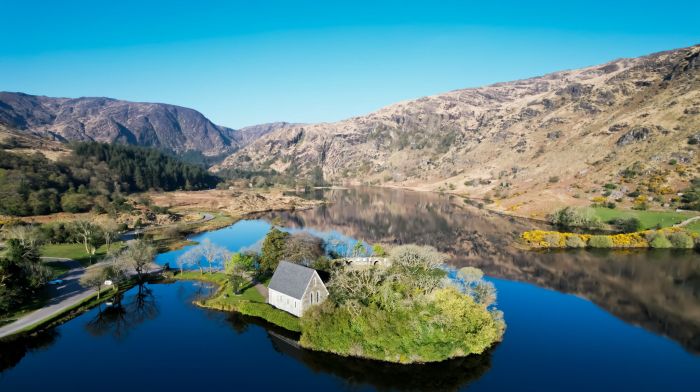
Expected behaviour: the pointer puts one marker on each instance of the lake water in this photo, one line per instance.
(576, 320)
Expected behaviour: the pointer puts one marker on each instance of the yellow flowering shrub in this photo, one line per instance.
(555, 239)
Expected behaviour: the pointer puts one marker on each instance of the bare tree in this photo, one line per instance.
(303, 248)
(93, 278)
(213, 253)
(89, 234)
(137, 256)
(28, 236)
(191, 257)
(110, 231)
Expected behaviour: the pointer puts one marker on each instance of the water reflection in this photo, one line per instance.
(124, 314)
(356, 373)
(658, 290)
(12, 351)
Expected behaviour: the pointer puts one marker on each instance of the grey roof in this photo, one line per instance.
(291, 279)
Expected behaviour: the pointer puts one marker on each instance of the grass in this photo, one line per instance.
(693, 227)
(648, 219)
(76, 252)
(249, 302)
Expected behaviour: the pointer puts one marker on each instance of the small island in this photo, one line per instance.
(402, 305)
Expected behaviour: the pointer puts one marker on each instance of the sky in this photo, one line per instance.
(248, 62)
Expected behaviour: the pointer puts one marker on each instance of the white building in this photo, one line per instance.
(294, 288)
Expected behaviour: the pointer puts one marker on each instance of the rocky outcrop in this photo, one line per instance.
(636, 134)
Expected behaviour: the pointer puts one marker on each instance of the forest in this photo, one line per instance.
(94, 176)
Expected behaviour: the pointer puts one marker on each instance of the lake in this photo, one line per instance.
(576, 320)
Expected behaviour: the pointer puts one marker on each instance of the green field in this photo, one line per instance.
(649, 219)
(693, 227)
(76, 251)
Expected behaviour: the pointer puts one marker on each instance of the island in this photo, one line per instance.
(401, 305)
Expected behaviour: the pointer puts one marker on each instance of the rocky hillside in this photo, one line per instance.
(526, 146)
(109, 120)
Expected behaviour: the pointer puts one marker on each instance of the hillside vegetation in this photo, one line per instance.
(526, 147)
(93, 176)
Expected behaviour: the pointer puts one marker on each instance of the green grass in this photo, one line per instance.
(249, 302)
(76, 252)
(648, 219)
(693, 227)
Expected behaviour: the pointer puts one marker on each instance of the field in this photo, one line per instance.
(76, 252)
(649, 219)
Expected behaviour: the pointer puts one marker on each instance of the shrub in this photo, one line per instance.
(569, 217)
(681, 240)
(600, 241)
(627, 225)
(574, 241)
(76, 202)
(660, 241)
(553, 179)
(554, 239)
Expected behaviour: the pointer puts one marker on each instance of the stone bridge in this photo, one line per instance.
(366, 261)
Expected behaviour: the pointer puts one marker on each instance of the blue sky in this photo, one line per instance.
(247, 62)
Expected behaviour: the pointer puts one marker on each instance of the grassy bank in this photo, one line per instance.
(648, 219)
(249, 302)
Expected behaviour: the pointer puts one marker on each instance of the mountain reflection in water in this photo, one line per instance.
(658, 289)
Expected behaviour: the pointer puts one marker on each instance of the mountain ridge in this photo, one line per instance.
(159, 125)
(523, 145)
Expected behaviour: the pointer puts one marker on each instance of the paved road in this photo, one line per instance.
(63, 296)
(70, 292)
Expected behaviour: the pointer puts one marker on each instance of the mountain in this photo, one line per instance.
(526, 145)
(170, 127)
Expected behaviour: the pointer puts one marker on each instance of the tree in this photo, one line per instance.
(110, 230)
(191, 257)
(76, 202)
(29, 236)
(273, 249)
(93, 277)
(137, 256)
(303, 248)
(21, 274)
(417, 267)
(213, 253)
(378, 250)
(89, 234)
(627, 225)
(470, 281)
(244, 261)
(569, 218)
(359, 249)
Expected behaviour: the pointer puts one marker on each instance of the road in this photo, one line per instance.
(63, 296)
(70, 292)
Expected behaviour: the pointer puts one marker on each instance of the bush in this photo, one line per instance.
(76, 202)
(569, 218)
(600, 241)
(660, 241)
(681, 240)
(627, 225)
(574, 241)
(553, 239)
